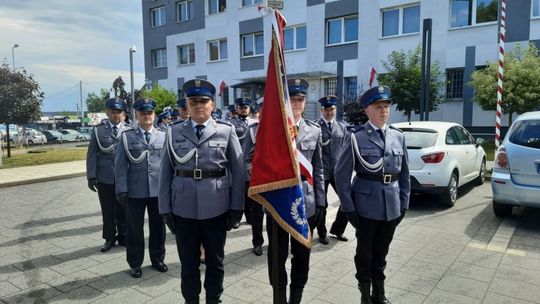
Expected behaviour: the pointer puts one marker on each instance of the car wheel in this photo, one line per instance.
(449, 196)
(479, 180)
(502, 210)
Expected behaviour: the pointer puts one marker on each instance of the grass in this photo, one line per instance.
(489, 148)
(44, 156)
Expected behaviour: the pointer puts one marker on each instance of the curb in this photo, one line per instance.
(41, 180)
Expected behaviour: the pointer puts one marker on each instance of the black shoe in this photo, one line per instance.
(122, 242)
(236, 225)
(341, 237)
(324, 239)
(161, 267)
(107, 246)
(135, 272)
(257, 250)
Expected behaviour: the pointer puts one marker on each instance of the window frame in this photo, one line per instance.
(179, 11)
(179, 58)
(154, 60)
(252, 2)
(295, 28)
(448, 84)
(401, 15)
(533, 4)
(473, 16)
(219, 42)
(217, 7)
(254, 45)
(152, 16)
(342, 38)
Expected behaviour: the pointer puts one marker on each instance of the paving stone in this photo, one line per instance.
(80, 295)
(35, 294)
(515, 289)
(127, 295)
(493, 298)
(424, 269)
(6, 288)
(463, 286)
(411, 282)
(443, 297)
(248, 290)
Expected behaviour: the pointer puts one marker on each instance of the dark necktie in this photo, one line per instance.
(147, 136)
(381, 134)
(115, 131)
(199, 130)
(330, 126)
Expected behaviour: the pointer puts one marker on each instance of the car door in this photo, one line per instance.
(469, 147)
(524, 152)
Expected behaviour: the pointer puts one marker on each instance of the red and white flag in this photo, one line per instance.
(372, 74)
(222, 87)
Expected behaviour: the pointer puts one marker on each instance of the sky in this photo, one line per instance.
(63, 42)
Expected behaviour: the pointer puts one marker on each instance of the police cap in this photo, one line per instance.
(297, 86)
(181, 102)
(199, 88)
(375, 94)
(242, 101)
(232, 108)
(328, 101)
(116, 104)
(144, 105)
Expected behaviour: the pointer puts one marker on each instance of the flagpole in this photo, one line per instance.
(275, 261)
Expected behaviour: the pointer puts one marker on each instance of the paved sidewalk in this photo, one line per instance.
(41, 173)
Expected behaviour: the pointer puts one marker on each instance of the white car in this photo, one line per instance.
(516, 173)
(32, 137)
(443, 156)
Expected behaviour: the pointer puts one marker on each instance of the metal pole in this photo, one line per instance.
(131, 51)
(80, 97)
(500, 76)
(427, 84)
(13, 55)
(275, 261)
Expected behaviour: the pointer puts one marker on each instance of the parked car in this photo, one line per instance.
(32, 137)
(71, 135)
(52, 136)
(515, 180)
(443, 156)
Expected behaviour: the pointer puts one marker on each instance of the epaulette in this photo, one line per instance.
(129, 130)
(253, 124)
(128, 127)
(101, 123)
(313, 123)
(397, 129)
(356, 129)
(224, 122)
(177, 122)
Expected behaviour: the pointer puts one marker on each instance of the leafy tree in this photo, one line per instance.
(354, 113)
(162, 96)
(521, 82)
(96, 103)
(403, 76)
(20, 98)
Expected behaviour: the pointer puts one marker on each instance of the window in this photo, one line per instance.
(536, 8)
(342, 30)
(526, 133)
(350, 89)
(471, 12)
(330, 86)
(186, 54)
(295, 38)
(250, 2)
(216, 6)
(403, 20)
(217, 49)
(157, 16)
(185, 10)
(252, 44)
(159, 58)
(454, 83)
(463, 135)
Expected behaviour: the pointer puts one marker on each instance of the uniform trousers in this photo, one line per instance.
(299, 260)
(112, 213)
(340, 223)
(257, 216)
(135, 231)
(190, 233)
(373, 238)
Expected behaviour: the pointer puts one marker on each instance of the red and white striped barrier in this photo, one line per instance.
(500, 75)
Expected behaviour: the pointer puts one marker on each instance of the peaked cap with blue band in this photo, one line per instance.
(175, 112)
(181, 102)
(165, 115)
(254, 108)
(144, 105)
(243, 101)
(297, 86)
(232, 108)
(199, 88)
(328, 101)
(375, 94)
(116, 104)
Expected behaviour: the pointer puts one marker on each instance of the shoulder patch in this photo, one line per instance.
(356, 129)
(313, 123)
(394, 128)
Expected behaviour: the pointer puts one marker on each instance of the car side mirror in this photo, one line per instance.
(479, 141)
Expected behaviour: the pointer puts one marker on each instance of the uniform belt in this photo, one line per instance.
(200, 173)
(384, 178)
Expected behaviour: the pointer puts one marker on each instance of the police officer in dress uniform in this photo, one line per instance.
(241, 124)
(232, 114)
(100, 172)
(201, 190)
(378, 197)
(333, 136)
(308, 142)
(184, 115)
(254, 111)
(137, 162)
(257, 213)
(164, 120)
(175, 115)
(216, 114)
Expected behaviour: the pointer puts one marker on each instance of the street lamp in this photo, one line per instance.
(13, 54)
(131, 51)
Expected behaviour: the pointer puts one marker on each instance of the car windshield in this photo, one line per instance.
(418, 138)
(526, 133)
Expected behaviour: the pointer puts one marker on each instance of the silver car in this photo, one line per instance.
(516, 173)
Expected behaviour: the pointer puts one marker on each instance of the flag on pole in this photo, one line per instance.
(275, 176)
(222, 87)
(372, 74)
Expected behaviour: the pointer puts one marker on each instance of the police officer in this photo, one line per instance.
(254, 111)
(257, 213)
(164, 120)
(201, 190)
(100, 171)
(175, 115)
(137, 162)
(232, 114)
(333, 135)
(378, 197)
(184, 115)
(308, 142)
(216, 114)
(241, 124)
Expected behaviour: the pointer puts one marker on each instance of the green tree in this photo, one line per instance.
(354, 113)
(521, 82)
(403, 76)
(20, 98)
(96, 103)
(162, 96)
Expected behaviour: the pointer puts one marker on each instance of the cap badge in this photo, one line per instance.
(197, 83)
(381, 89)
(297, 81)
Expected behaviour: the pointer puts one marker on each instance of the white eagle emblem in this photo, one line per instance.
(298, 219)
